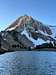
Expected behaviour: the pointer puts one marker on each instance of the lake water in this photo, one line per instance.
(28, 63)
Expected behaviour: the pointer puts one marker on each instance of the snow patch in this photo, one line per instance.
(35, 42)
(10, 29)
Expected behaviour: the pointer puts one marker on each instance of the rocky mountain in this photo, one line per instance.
(27, 32)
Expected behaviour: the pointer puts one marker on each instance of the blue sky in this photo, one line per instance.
(42, 10)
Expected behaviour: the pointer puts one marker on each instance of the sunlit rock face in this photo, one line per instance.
(27, 32)
(30, 24)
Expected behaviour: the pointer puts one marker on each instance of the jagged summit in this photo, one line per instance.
(19, 22)
(29, 23)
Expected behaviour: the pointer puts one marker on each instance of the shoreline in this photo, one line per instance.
(20, 49)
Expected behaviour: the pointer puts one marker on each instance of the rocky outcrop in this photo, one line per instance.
(4, 45)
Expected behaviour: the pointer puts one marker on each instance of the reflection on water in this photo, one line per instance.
(28, 63)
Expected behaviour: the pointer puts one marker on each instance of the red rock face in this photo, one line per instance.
(28, 22)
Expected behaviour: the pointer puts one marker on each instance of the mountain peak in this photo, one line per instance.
(19, 22)
(27, 32)
(29, 23)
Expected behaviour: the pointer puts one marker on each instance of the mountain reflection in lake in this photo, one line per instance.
(28, 63)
